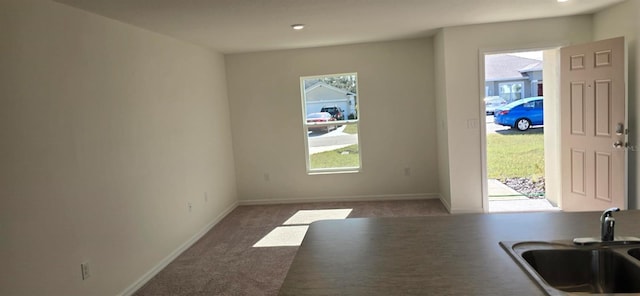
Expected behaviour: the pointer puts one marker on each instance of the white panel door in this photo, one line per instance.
(593, 97)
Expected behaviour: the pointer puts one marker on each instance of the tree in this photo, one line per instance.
(346, 82)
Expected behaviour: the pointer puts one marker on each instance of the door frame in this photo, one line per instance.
(551, 141)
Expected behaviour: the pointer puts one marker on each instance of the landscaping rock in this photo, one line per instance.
(533, 189)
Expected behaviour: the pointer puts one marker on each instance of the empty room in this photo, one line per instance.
(315, 147)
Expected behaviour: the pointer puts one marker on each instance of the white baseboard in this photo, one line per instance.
(446, 205)
(343, 198)
(173, 255)
(466, 211)
(453, 210)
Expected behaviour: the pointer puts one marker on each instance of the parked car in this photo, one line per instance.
(491, 103)
(335, 111)
(521, 114)
(321, 117)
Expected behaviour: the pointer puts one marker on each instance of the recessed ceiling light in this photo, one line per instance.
(563, 1)
(297, 26)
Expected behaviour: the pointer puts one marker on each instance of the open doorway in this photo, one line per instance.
(515, 132)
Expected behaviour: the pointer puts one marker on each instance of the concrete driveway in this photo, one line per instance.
(336, 139)
(492, 127)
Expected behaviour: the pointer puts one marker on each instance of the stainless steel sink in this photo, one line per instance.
(635, 253)
(562, 268)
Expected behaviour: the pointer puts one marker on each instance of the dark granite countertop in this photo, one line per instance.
(436, 255)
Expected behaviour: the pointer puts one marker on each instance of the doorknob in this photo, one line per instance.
(618, 144)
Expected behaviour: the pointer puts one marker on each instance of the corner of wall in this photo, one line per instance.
(444, 179)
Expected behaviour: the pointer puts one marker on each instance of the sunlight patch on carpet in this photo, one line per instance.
(283, 236)
(293, 230)
(309, 216)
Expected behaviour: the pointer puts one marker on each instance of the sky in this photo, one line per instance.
(536, 55)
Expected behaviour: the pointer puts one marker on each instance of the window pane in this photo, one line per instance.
(336, 149)
(511, 91)
(331, 122)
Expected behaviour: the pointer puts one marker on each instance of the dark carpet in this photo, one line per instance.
(224, 261)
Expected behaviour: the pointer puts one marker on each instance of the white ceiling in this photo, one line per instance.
(233, 26)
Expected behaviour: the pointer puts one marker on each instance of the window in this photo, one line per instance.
(536, 104)
(330, 121)
(511, 91)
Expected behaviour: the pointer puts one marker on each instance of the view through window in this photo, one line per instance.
(330, 120)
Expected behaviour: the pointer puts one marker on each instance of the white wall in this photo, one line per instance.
(107, 132)
(462, 47)
(442, 119)
(623, 20)
(397, 123)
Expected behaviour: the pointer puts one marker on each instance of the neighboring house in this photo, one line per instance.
(512, 77)
(321, 94)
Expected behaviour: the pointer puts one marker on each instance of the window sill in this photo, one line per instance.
(328, 172)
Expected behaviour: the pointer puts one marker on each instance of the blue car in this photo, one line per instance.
(521, 114)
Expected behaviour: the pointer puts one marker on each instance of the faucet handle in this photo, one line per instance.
(608, 213)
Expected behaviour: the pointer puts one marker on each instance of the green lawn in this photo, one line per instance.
(340, 158)
(508, 156)
(515, 155)
(351, 129)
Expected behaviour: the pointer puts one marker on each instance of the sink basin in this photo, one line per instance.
(561, 268)
(590, 271)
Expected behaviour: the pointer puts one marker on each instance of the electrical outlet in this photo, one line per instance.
(189, 206)
(407, 171)
(267, 177)
(206, 197)
(84, 268)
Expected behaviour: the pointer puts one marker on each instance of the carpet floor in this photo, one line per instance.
(224, 261)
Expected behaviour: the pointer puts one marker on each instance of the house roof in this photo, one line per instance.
(319, 84)
(533, 67)
(234, 26)
(500, 67)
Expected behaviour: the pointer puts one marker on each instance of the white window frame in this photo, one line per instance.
(511, 84)
(305, 128)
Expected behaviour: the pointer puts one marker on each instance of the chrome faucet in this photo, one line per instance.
(607, 223)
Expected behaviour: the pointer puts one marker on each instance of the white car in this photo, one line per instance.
(492, 103)
(321, 117)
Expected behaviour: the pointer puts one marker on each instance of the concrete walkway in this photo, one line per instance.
(503, 198)
(499, 191)
(521, 205)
